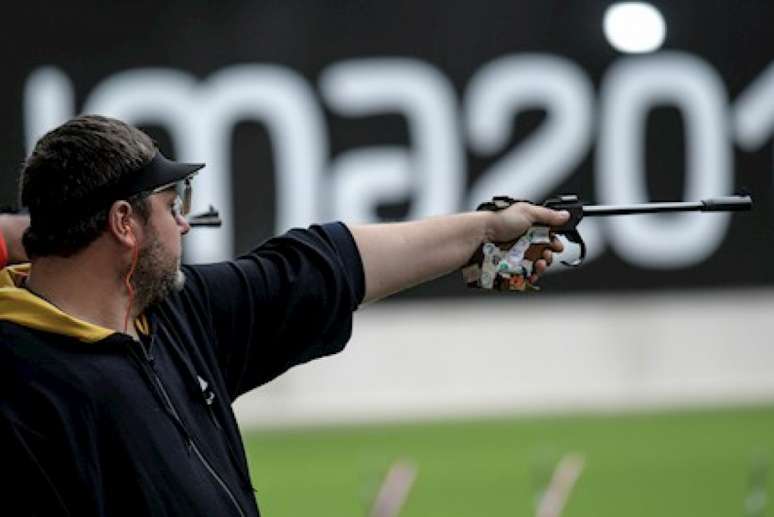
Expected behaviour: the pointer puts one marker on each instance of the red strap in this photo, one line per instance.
(3, 251)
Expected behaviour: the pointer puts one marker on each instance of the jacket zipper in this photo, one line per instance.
(191, 444)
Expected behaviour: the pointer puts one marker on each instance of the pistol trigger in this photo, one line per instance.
(575, 236)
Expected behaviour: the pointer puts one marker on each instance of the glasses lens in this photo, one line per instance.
(184, 191)
(177, 207)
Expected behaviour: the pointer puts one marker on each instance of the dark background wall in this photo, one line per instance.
(90, 42)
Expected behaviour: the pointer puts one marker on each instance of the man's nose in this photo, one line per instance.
(182, 222)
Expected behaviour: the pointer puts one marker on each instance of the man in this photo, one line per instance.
(118, 366)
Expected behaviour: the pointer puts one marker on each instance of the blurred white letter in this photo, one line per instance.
(431, 170)
(201, 119)
(534, 168)
(630, 90)
(49, 101)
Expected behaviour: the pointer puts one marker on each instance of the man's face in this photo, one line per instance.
(158, 264)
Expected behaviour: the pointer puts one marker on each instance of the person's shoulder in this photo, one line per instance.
(28, 354)
(180, 308)
(14, 337)
(54, 382)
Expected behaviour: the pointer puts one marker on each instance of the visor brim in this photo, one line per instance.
(157, 172)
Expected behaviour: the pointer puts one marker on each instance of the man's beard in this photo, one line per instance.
(156, 276)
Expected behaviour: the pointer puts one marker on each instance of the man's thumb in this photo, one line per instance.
(547, 216)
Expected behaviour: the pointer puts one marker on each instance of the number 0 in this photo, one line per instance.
(630, 89)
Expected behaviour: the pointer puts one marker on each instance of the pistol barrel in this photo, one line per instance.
(720, 204)
(209, 218)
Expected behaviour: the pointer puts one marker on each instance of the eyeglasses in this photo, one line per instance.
(183, 189)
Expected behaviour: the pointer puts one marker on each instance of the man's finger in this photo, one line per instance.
(535, 252)
(542, 215)
(556, 244)
(539, 267)
(548, 256)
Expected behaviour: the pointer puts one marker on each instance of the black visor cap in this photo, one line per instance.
(156, 173)
(159, 171)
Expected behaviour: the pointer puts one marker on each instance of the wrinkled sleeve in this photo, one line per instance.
(285, 303)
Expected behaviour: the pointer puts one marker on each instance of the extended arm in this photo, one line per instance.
(399, 255)
(12, 227)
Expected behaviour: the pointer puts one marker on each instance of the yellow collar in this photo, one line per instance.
(20, 306)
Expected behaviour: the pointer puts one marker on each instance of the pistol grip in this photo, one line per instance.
(575, 236)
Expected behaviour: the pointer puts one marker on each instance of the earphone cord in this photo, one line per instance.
(129, 288)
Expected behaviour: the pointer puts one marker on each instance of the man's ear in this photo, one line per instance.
(122, 223)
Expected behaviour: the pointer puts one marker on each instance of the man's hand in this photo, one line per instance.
(12, 227)
(398, 255)
(512, 222)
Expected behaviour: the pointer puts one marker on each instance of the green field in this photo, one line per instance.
(696, 463)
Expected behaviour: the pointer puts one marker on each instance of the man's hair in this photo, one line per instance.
(60, 177)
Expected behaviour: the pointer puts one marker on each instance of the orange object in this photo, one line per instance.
(3, 251)
(517, 283)
(128, 284)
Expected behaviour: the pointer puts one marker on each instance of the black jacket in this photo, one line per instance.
(94, 423)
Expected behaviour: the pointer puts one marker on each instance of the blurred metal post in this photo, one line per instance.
(394, 489)
(555, 496)
(756, 499)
